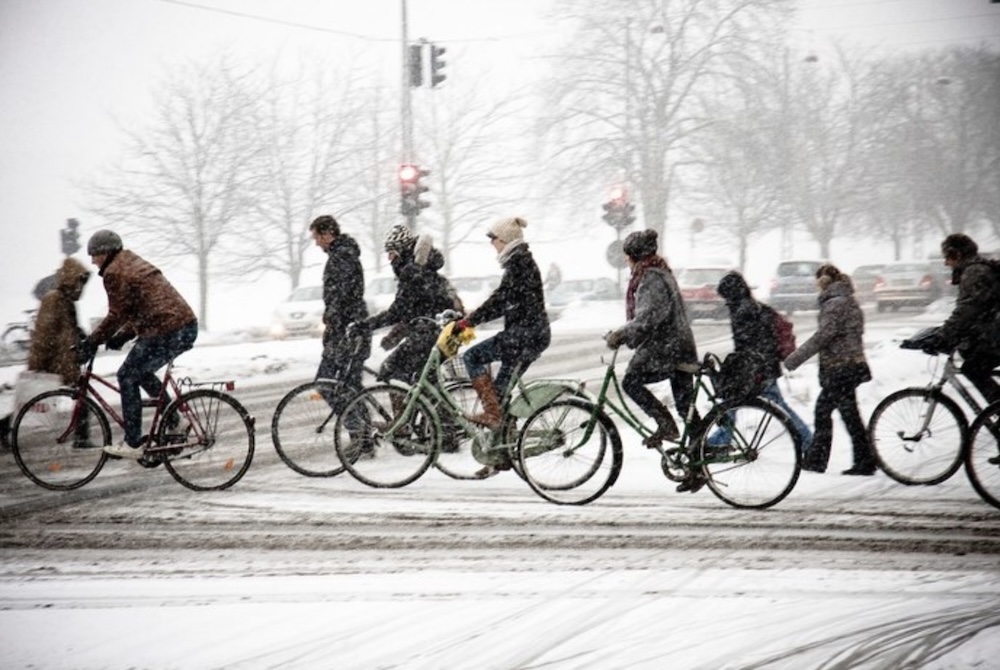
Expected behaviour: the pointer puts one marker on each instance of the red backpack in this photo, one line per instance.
(784, 332)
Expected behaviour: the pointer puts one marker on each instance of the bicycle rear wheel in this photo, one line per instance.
(212, 445)
(377, 447)
(303, 426)
(569, 452)
(918, 436)
(57, 446)
(760, 467)
(982, 456)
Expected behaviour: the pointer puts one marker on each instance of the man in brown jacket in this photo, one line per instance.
(142, 304)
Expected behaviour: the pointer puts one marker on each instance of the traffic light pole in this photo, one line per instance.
(406, 113)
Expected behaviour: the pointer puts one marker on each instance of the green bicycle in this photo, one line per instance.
(757, 469)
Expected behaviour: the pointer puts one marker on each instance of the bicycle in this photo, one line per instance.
(16, 337)
(920, 435)
(390, 434)
(299, 426)
(203, 437)
(982, 454)
(758, 469)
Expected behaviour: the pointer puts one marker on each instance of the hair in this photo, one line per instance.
(831, 273)
(959, 245)
(640, 244)
(325, 224)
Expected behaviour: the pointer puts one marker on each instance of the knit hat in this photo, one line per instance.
(508, 230)
(398, 239)
(640, 244)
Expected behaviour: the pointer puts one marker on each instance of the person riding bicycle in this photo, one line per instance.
(520, 300)
(660, 332)
(421, 290)
(143, 305)
(973, 327)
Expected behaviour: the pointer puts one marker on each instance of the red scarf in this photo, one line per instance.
(638, 270)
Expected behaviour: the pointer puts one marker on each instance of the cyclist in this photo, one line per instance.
(659, 331)
(142, 304)
(520, 300)
(974, 324)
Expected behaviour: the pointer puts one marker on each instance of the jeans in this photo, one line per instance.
(477, 359)
(723, 434)
(148, 355)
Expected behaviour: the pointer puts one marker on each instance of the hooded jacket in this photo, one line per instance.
(421, 290)
(839, 336)
(57, 331)
(752, 325)
(972, 326)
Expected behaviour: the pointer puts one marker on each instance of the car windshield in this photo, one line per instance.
(306, 293)
(700, 276)
(908, 267)
(793, 269)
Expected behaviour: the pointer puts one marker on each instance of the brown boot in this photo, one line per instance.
(490, 416)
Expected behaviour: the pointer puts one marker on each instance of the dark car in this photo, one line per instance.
(698, 289)
(794, 285)
(909, 284)
(864, 278)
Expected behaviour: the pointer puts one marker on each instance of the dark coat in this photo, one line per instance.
(57, 330)
(343, 288)
(520, 300)
(971, 327)
(753, 327)
(660, 331)
(839, 337)
(421, 290)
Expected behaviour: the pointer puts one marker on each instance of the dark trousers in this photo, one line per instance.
(842, 397)
(343, 360)
(978, 369)
(148, 355)
(681, 385)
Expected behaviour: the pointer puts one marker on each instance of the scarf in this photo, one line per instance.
(638, 270)
(507, 251)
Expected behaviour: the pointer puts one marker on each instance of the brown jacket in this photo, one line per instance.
(839, 339)
(140, 300)
(57, 330)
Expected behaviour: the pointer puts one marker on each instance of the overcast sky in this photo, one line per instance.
(70, 68)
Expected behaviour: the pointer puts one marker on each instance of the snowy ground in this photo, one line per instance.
(592, 591)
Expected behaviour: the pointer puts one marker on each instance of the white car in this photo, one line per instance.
(301, 314)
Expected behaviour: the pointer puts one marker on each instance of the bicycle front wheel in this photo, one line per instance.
(381, 442)
(982, 457)
(918, 436)
(760, 466)
(569, 452)
(302, 429)
(206, 440)
(58, 440)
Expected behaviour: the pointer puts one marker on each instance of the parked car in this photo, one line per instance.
(864, 278)
(301, 314)
(698, 289)
(909, 284)
(794, 285)
(570, 291)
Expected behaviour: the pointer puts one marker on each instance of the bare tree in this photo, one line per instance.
(188, 179)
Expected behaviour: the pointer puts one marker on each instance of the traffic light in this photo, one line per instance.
(70, 237)
(618, 211)
(410, 190)
(415, 66)
(437, 64)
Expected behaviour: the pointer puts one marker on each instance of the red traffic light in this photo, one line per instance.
(618, 193)
(409, 173)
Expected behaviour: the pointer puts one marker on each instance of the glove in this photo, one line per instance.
(615, 339)
(358, 329)
(85, 350)
(118, 340)
(461, 325)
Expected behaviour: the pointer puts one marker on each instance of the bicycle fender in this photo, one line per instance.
(538, 395)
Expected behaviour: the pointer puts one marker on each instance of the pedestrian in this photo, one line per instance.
(143, 305)
(660, 332)
(421, 291)
(842, 368)
(755, 343)
(343, 303)
(520, 301)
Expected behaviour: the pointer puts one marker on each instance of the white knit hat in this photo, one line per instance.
(509, 229)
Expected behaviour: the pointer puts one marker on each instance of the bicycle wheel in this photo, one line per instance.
(760, 466)
(457, 455)
(17, 338)
(212, 445)
(302, 429)
(982, 456)
(56, 445)
(569, 452)
(918, 436)
(377, 448)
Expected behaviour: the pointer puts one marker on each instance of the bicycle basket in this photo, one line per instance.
(449, 341)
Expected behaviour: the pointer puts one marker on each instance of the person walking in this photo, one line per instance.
(143, 305)
(660, 332)
(838, 341)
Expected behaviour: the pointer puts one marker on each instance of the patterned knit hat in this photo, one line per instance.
(508, 230)
(398, 239)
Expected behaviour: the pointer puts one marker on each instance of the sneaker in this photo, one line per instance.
(122, 450)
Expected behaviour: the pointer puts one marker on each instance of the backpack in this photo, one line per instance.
(784, 331)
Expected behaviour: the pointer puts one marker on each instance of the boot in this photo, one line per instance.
(490, 416)
(864, 460)
(666, 430)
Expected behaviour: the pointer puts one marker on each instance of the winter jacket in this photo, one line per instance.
(520, 300)
(57, 331)
(420, 288)
(660, 331)
(752, 325)
(839, 336)
(343, 288)
(972, 327)
(140, 300)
